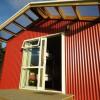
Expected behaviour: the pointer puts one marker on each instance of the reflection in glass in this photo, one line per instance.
(35, 42)
(25, 57)
(34, 57)
(31, 43)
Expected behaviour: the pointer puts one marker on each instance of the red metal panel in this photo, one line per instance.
(82, 62)
(82, 57)
(12, 62)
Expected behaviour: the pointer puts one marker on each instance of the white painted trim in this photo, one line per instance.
(63, 63)
(32, 88)
(32, 46)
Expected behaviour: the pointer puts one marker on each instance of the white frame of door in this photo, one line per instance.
(63, 74)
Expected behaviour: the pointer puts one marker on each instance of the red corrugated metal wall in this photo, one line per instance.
(82, 57)
(83, 62)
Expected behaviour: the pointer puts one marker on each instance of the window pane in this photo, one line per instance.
(68, 11)
(31, 43)
(88, 10)
(35, 57)
(12, 27)
(29, 77)
(5, 35)
(25, 58)
(52, 11)
(32, 80)
(24, 21)
(32, 15)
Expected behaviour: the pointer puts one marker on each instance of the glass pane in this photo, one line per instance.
(32, 80)
(30, 57)
(41, 77)
(12, 27)
(68, 11)
(88, 10)
(52, 11)
(25, 57)
(35, 57)
(5, 35)
(23, 78)
(33, 43)
(32, 15)
(24, 21)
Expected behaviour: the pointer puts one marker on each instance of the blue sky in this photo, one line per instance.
(10, 7)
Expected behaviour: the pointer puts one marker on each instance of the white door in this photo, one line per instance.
(34, 64)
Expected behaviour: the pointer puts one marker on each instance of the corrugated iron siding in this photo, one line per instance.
(12, 63)
(83, 62)
(82, 57)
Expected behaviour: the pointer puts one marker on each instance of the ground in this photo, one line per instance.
(32, 95)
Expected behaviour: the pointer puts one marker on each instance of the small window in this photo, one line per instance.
(34, 57)
(31, 56)
(5, 35)
(31, 43)
(12, 27)
(32, 15)
(23, 20)
(68, 11)
(52, 11)
(88, 10)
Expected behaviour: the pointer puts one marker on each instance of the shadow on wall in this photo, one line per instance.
(55, 26)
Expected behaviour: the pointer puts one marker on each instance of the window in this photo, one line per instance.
(31, 43)
(33, 64)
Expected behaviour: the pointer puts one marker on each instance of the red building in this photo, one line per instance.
(51, 46)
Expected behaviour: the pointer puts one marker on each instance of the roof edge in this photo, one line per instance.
(43, 4)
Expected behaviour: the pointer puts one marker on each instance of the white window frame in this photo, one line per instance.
(63, 71)
(29, 41)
